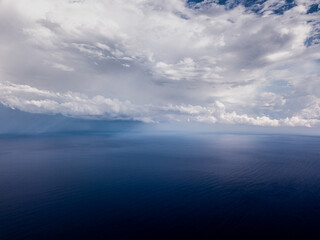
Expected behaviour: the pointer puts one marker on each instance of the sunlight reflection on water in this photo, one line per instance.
(192, 185)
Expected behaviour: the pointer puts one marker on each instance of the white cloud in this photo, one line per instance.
(62, 67)
(162, 61)
(189, 70)
(33, 100)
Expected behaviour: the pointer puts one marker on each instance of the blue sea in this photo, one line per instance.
(159, 186)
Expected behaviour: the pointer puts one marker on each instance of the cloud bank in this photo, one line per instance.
(180, 61)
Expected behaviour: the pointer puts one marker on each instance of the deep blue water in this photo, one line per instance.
(192, 186)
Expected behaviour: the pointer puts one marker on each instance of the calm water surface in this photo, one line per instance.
(195, 186)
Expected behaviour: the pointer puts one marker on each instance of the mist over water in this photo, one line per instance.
(156, 186)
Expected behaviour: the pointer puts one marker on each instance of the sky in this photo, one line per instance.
(234, 62)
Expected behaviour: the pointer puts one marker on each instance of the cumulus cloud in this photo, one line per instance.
(33, 100)
(73, 104)
(159, 61)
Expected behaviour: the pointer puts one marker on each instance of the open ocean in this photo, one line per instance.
(144, 186)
